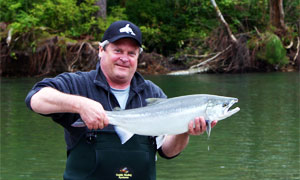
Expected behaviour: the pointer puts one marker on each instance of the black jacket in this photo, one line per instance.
(93, 85)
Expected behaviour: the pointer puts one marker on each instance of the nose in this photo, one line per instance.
(124, 58)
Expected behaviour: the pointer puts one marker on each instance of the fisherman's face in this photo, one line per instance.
(119, 60)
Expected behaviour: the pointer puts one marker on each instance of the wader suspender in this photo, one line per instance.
(100, 155)
(106, 158)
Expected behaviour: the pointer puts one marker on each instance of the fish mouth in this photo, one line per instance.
(228, 111)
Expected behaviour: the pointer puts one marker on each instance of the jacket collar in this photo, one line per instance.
(137, 83)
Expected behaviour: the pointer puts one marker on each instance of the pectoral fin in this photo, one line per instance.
(208, 127)
(123, 134)
(78, 123)
(160, 140)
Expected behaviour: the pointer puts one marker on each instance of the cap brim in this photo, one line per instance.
(124, 36)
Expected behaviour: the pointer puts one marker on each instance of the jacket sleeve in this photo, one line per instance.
(67, 83)
(60, 82)
(157, 92)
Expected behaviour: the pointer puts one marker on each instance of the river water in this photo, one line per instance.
(259, 142)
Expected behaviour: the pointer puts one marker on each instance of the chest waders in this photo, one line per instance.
(105, 158)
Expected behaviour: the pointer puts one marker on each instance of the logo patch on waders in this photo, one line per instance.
(124, 173)
(106, 158)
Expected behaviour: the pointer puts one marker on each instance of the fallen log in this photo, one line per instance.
(210, 59)
(201, 67)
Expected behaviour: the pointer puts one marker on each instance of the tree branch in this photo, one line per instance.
(298, 47)
(221, 18)
(210, 59)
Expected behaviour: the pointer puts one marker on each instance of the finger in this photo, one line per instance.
(202, 124)
(213, 123)
(96, 124)
(105, 121)
(197, 128)
(100, 125)
(89, 125)
(92, 127)
(102, 122)
(191, 128)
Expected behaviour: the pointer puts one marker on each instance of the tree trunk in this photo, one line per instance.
(221, 18)
(102, 8)
(277, 15)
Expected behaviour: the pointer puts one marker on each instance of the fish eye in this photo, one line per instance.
(225, 104)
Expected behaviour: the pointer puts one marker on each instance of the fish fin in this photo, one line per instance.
(78, 123)
(208, 127)
(153, 101)
(123, 134)
(117, 109)
(160, 140)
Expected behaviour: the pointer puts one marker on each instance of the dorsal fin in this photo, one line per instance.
(153, 101)
(117, 109)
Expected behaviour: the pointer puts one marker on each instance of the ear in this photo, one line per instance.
(101, 50)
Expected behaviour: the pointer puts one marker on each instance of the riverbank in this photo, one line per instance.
(54, 55)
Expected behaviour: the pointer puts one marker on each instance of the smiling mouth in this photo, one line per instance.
(122, 66)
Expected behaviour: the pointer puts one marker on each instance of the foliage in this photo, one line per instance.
(57, 17)
(181, 21)
(272, 50)
(291, 9)
(116, 13)
(9, 9)
(167, 25)
(62, 16)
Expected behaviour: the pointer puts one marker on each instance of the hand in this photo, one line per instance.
(199, 127)
(93, 114)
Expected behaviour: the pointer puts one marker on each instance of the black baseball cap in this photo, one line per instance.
(122, 29)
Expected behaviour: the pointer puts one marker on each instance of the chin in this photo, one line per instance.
(123, 72)
(122, 76)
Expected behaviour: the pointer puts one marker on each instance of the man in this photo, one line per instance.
(95, 151)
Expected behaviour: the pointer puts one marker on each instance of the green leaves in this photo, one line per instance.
(271, 50)
(66, 16)
(167, 26)
(62, 16)
(275, 52)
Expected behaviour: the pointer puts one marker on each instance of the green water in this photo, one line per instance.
(259, 142)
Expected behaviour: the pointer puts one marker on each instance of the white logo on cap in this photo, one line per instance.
(127, 29)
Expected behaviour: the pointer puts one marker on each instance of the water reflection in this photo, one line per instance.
(259, 142)
(32, 147)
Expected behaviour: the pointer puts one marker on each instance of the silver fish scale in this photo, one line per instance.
(170, 116)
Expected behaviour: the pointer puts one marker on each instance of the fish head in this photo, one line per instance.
(218, 107)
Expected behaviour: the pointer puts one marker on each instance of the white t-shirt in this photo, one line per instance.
(121, 95)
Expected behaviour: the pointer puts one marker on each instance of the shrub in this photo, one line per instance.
(272, 50)
(61, 16)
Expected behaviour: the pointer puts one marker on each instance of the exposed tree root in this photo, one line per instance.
(52, 56)
(298, 47)
(205, 62)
